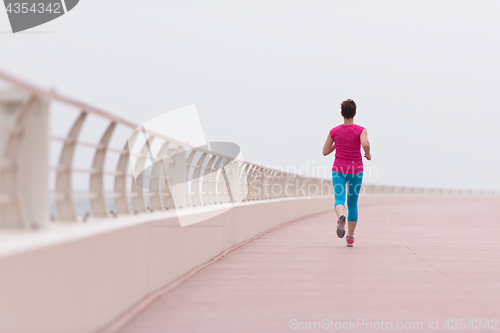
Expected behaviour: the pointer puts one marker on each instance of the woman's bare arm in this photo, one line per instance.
(329, 145)
(366, 144)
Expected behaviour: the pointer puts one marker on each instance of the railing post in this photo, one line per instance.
(233, 175)
(24, 161)
(197, 180)
(216, 181)
(159, 170)
(206, 186)
(243, 188)
(138, 200)
(120, 186)
(189, 166)
(65, 205)
(179, 188)
(225, 174)
(98, 204)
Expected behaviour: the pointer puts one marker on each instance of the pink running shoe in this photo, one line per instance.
(350, 241)
(340, 226)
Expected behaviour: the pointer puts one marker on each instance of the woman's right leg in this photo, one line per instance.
(339, 188)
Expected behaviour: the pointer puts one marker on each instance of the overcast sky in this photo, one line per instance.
(270, 76)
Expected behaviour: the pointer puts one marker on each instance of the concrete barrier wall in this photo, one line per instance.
(80, 280)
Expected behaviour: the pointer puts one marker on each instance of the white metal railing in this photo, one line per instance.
(248, 181)
(24, 189)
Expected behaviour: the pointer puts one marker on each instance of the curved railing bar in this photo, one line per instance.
(196, 192)
(157, 202)
(99, 205)
(65, 206)
(138, 201)
(120, 185)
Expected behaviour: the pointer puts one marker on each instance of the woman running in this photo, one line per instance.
(347, 170)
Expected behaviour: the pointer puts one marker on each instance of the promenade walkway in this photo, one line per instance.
(415, 259)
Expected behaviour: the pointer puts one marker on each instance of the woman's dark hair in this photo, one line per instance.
(348, 108)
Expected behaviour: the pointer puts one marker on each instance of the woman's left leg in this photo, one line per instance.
(353, 189)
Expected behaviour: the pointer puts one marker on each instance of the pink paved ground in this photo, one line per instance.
(413, 261)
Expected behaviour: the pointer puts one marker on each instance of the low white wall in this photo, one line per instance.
(83, 277)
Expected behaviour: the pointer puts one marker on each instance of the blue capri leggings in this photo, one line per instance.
(352, 182)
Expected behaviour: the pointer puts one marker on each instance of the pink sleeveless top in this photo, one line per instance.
(347, 148)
